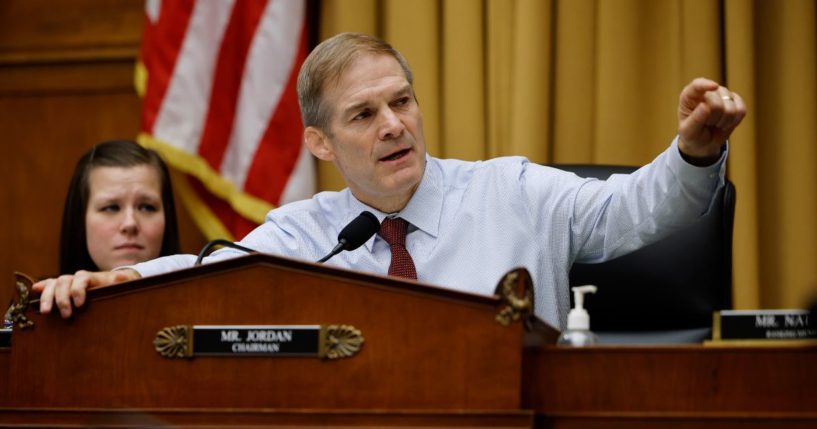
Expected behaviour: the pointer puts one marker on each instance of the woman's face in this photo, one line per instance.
(125, 219)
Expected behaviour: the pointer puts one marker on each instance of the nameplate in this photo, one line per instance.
(256, 340)
(763, 325)
(322, 341)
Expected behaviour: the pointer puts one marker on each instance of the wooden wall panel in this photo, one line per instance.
(66, 83)
(39, 30)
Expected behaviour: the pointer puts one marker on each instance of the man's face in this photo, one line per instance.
(375, 132)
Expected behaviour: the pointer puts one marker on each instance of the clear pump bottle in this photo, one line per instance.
(578, 332)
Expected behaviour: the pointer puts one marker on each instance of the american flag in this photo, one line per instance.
(218, 80)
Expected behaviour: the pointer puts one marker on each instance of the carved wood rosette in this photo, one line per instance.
(174, 342)
(16, 313)
(339, 341)
(516, 291)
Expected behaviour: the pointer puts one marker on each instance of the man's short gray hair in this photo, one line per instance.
(326, 63)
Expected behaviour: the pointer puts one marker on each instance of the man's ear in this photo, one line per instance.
(317, 143)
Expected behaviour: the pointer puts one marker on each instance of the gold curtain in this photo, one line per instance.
(598, 81)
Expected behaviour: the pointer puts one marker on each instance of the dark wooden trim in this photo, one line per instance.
(42, 417)
(68, 78)
(85, 54)
(295, 265)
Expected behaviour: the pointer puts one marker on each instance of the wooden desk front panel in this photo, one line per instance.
(422, 350)
(673, 381)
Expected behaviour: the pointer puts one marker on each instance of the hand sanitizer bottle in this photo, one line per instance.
(578, 332)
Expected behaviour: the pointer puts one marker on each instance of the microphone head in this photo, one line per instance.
(358, 231)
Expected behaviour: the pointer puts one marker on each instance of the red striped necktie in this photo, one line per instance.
(394, 230)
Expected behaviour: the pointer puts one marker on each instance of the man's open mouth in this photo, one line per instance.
(396, 155)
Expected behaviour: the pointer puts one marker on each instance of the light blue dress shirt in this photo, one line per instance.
(472, 222)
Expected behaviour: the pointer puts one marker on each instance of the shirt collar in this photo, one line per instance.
(423, 210)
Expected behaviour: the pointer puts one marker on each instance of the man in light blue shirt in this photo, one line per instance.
(469, 222)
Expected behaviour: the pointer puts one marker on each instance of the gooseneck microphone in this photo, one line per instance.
(220, 242)
(353, 235)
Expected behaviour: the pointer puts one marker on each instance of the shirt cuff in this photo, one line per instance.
(712, 173)
(161, 265)
(702, 181)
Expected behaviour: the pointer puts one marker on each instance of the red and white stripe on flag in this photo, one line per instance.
(219, 102)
